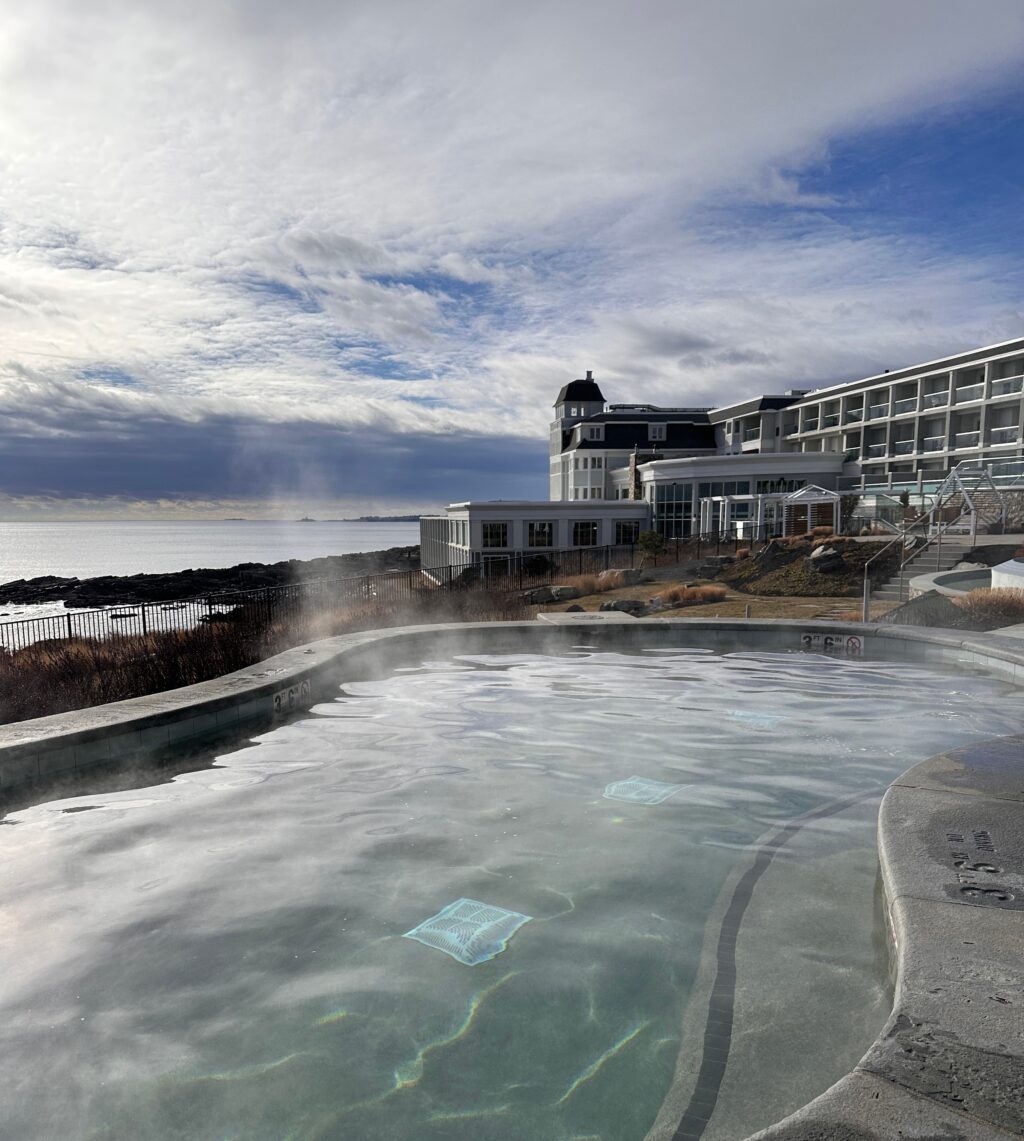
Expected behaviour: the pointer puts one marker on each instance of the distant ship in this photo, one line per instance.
(306, 519)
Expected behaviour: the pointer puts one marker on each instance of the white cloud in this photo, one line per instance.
(319, 210)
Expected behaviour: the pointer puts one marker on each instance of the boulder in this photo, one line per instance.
(564, 593)
(632, 606)
(539, 594)
(826, 560)
(928, 609)
(574, 609)
(627, 576)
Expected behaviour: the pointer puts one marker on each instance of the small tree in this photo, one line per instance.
(847, 506)
(650, 544)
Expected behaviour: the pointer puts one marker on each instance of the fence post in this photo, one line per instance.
(68, 620)
(145, 625)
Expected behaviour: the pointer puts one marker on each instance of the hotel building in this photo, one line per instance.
(731, 468)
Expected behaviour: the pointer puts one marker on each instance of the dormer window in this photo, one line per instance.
(655, 431)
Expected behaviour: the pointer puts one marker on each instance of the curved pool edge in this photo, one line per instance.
(950, 1060)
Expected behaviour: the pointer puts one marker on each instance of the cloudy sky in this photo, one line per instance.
(344, 254)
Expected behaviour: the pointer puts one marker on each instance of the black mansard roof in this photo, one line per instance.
(633, 434)
(756, 404)
(586, 389)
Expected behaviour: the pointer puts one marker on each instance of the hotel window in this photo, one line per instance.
(655, 431)
(584, 534)
(597, 462)
(575, 493)
(540, 534)
(586, 462)
(627, 531)
(495, 534)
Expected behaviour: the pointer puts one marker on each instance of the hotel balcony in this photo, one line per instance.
(831, 420)
(907, 405)
(1008, 386)
(1006, 435)
(933, 444)
(853, 415)
(810, 426)
(903, 448)
(751, 434)
(966, 439)
(873, 451)
(877, 411)
(935, 399)
(970, 392)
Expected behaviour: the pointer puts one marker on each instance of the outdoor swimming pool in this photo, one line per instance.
(222, 955)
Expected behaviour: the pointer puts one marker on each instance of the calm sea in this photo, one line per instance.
(87, 549)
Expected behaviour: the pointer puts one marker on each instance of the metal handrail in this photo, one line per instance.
(912, 551)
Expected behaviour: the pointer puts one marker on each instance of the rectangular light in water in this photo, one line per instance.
(756, 719)
(469, 931)
(641, 790)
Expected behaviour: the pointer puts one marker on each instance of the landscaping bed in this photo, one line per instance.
(819, 566)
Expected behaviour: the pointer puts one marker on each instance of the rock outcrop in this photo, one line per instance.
(129, 590)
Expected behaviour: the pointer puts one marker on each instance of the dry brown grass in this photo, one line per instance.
(742, 553)
(55, 676)
(687, 595)
(592, 583)
(990, 609)
(822, 531)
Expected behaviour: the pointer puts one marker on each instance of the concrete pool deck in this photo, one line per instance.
(948, 1064)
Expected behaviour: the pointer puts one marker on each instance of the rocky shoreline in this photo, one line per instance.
(125, 590)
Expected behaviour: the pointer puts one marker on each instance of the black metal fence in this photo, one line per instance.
(265, 604)
(499, 573)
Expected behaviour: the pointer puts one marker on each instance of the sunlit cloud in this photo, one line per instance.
(234, 227)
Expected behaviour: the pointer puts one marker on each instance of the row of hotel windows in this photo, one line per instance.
(539, 535)
(684, 491)
(588, 493)
(587, 462)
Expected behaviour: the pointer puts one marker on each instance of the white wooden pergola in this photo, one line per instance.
(822, 509)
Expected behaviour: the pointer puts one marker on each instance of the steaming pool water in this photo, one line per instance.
(221, 955)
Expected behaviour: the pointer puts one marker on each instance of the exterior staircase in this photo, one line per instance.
(930, 560)
(969, 501)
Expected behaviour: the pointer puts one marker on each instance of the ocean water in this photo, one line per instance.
(89, 549)
(224, 954)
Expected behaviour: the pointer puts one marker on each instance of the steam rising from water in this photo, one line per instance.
(221, 955)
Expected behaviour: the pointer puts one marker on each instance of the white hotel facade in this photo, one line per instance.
(682, 471)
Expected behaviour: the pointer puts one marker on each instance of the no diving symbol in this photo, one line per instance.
(854, 646)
